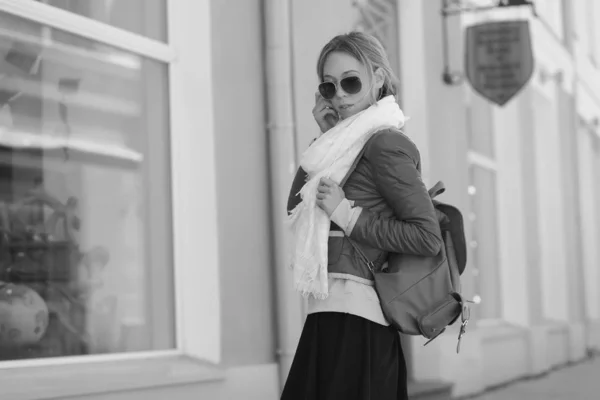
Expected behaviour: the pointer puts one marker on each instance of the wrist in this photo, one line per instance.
(345, 215)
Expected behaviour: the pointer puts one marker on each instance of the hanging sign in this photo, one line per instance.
(498, 59)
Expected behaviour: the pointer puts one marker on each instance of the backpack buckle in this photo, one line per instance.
(371, 266)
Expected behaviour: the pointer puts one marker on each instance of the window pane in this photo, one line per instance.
(144, 17)
(85, 228)
(484, 241)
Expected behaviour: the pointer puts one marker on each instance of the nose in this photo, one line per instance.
(339, 92)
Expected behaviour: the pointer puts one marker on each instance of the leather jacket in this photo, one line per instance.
(396, 212)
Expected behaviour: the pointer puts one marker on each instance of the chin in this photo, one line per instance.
(345, 114)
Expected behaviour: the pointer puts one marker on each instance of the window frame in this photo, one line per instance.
(197, 353)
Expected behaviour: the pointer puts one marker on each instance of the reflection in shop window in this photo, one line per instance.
(144, 17)
(85, 237)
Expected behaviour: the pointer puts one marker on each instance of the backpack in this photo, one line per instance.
(423, 298)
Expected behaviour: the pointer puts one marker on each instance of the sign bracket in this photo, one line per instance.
(456, 7)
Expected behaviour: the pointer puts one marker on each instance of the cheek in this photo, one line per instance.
(364, 97)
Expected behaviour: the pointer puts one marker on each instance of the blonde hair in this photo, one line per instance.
(368, 51)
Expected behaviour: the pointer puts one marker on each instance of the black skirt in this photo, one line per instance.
(342, 356)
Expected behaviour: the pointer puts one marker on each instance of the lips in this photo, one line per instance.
(346, 106)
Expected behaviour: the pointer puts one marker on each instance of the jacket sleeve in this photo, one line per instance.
(414, 229)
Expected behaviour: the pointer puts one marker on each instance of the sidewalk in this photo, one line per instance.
(578, 382)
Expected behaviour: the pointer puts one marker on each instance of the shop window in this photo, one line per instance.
(85, 224)
(588, 159)
(380, 19)
(484, 241)
(144, 17)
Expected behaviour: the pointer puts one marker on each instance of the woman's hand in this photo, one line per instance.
(324, 113)
(329, 195)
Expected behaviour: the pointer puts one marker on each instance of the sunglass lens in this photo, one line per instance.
(351, 85)
(327, 90)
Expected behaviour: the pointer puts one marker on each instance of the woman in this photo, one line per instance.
(347, 349)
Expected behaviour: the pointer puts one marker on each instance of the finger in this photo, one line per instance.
(320, 108)
(323, 189)
(322, 101)
(327, 182)
(325, 114)
(321, 196)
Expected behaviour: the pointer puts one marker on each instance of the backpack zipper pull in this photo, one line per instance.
(465, 315)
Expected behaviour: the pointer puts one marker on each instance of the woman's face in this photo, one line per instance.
(340, 65)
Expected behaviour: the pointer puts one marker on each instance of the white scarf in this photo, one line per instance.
(331, 155)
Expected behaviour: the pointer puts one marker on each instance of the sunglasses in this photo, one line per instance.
(350, 85)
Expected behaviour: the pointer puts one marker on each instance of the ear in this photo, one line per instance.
(379, 78)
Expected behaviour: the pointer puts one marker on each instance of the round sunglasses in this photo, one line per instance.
(350, 85)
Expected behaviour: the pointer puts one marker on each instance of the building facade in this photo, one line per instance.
(146, 152)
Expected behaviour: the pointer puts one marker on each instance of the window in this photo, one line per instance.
(86, 258)
(588, 159)
(166, 157)
(484, 240)
(550, 161)
(483, 244)
(380, 19)
(144, 17)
